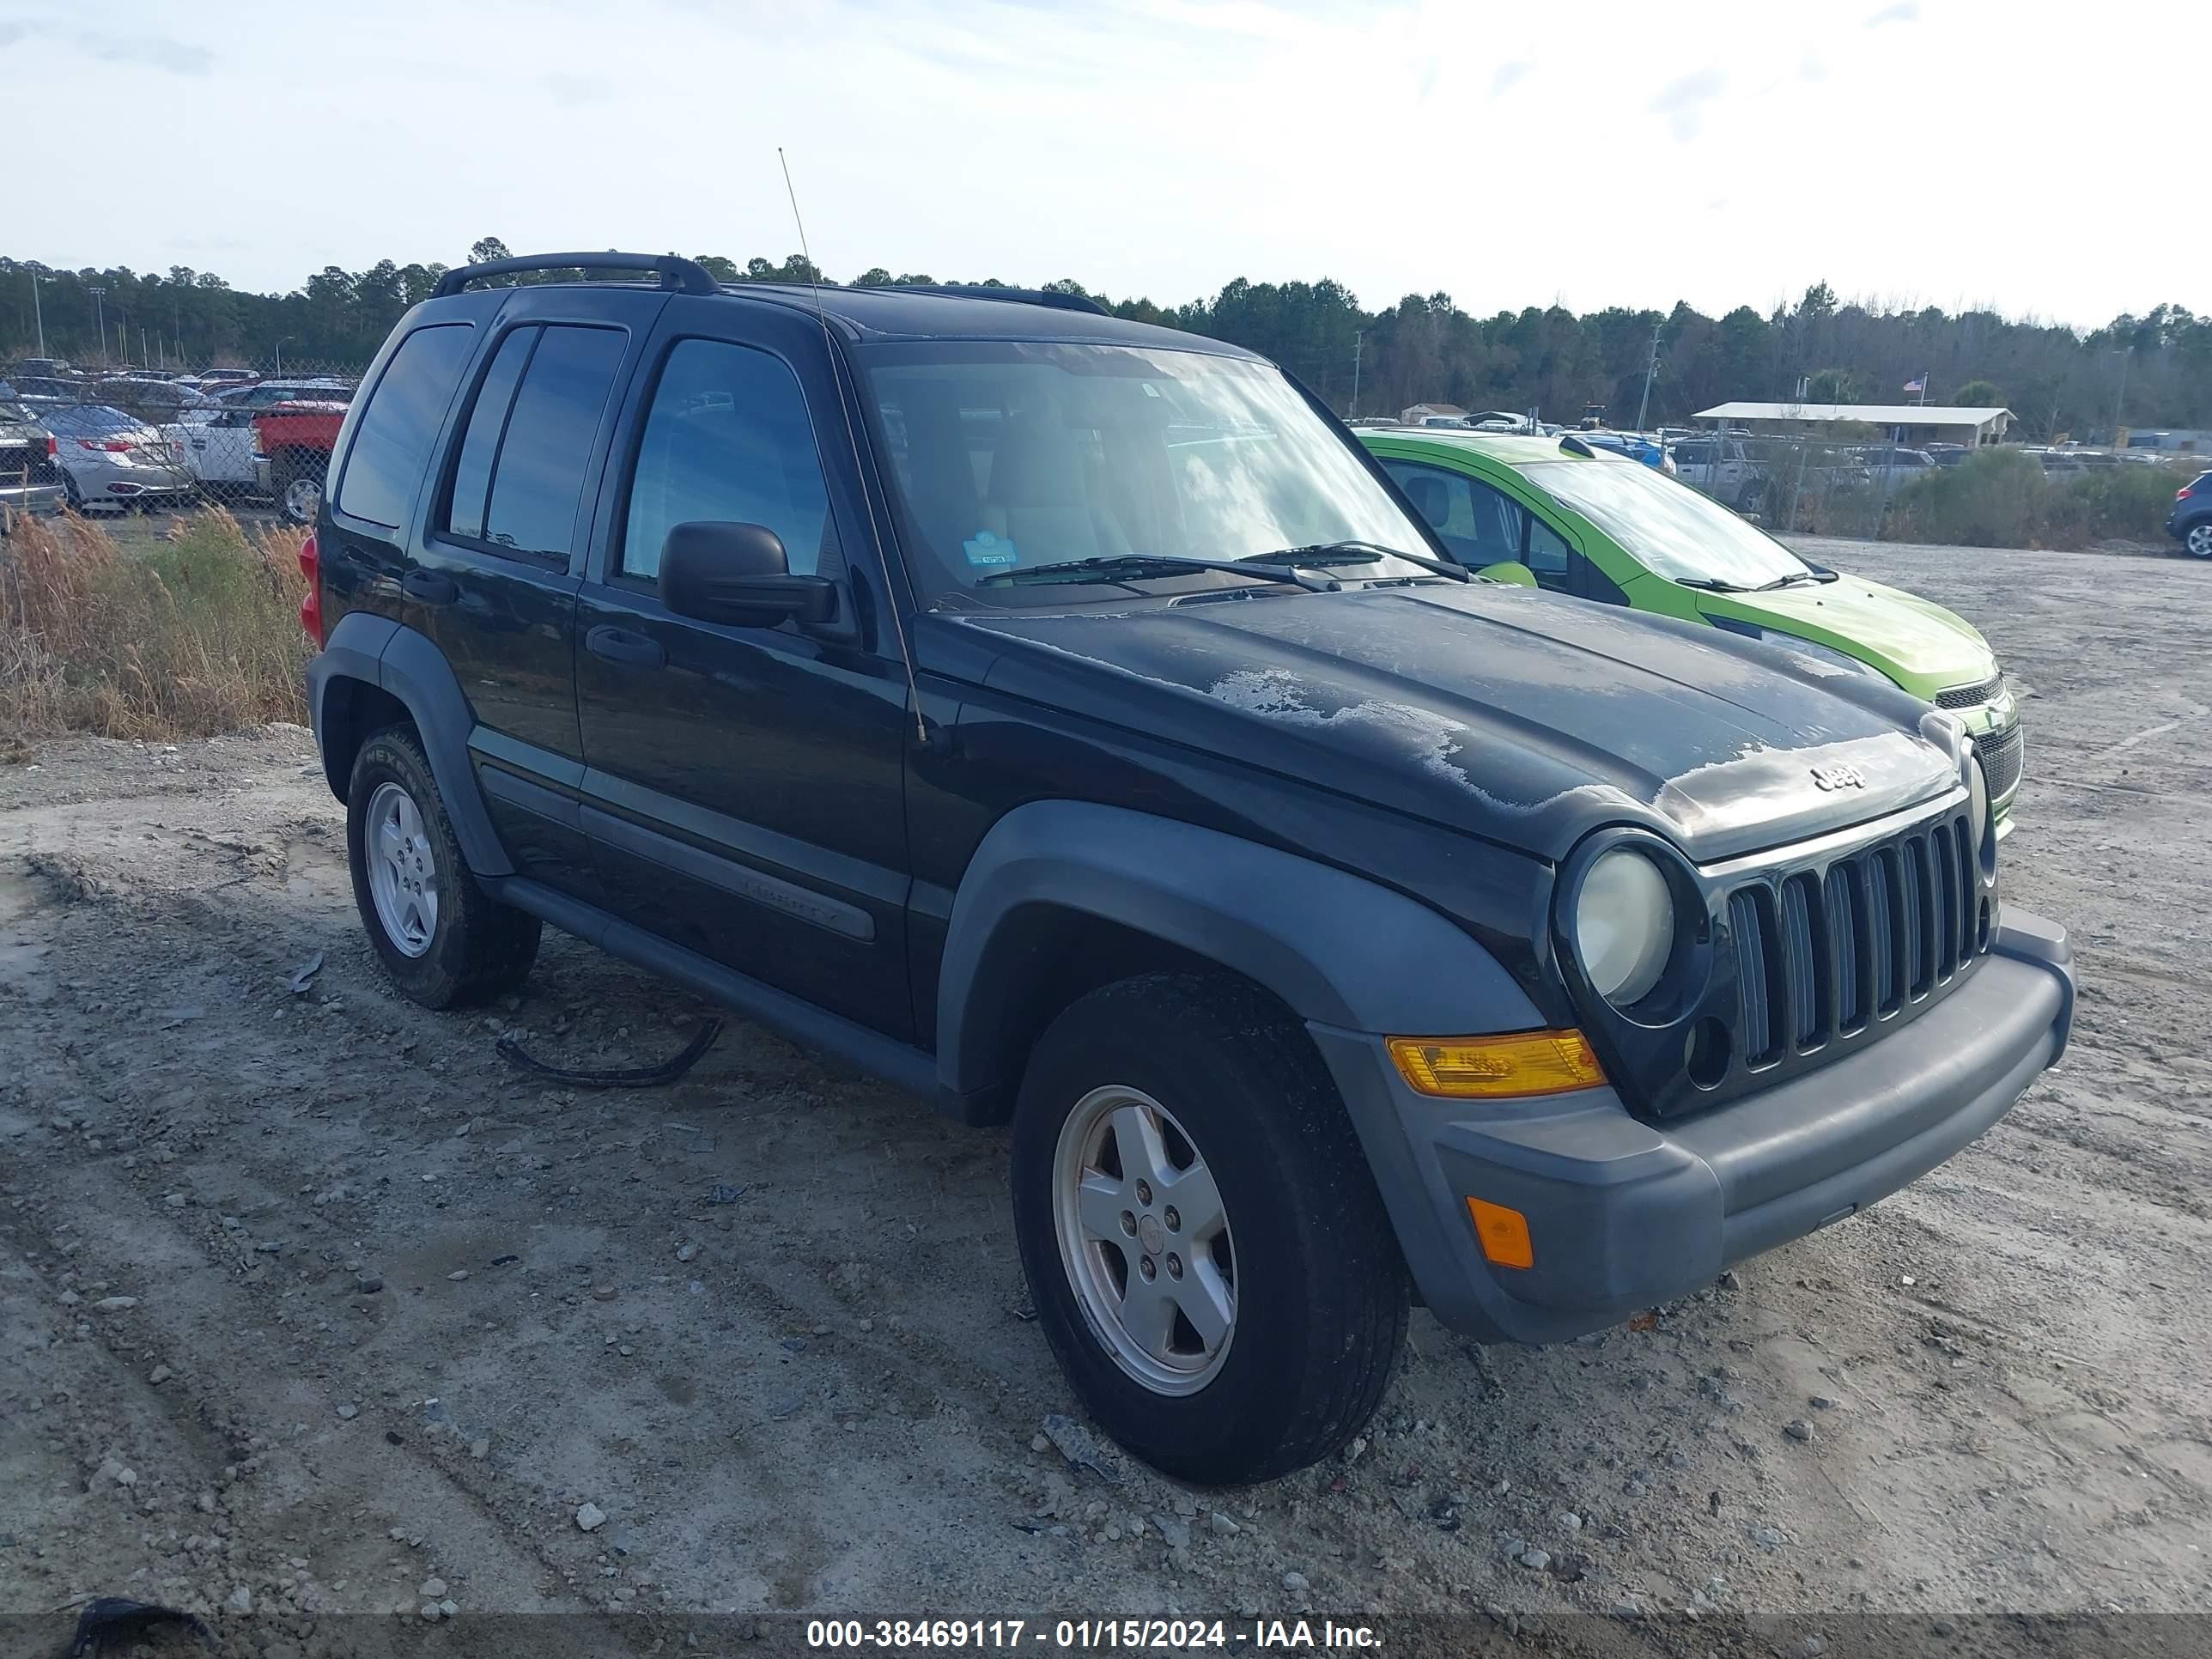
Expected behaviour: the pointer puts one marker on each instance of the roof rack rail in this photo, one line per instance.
(678, 274)
(1026, 296)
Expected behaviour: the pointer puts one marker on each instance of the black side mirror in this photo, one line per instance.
(738, 575)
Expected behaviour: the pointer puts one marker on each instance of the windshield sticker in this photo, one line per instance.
(989, 550)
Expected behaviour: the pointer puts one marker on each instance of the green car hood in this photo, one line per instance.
(1921, 646)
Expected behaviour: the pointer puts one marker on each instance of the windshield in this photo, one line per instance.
(1008, 456)
(14, 413)
(1667, 527)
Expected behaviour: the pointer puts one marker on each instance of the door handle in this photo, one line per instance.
(429, 587)
(620, 645)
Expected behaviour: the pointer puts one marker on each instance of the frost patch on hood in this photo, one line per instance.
(1273, 694)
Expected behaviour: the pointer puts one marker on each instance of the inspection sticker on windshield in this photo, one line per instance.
(989, 550)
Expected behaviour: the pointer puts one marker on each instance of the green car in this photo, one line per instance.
(1564, 515)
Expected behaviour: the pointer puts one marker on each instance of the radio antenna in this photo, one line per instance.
(853, 440)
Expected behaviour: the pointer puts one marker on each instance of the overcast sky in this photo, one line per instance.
(2017, 154)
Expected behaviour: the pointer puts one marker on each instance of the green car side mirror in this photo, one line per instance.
(1512, 570)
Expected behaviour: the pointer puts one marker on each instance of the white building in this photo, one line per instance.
(1923, 423)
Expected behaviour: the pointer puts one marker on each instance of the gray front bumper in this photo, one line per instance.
(1623, 1213)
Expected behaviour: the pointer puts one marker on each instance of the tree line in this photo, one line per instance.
(2153, 370)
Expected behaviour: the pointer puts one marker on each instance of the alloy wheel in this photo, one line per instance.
(1145, 1240)
(403, 870)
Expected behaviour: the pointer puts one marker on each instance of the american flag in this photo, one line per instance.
(1920, 385)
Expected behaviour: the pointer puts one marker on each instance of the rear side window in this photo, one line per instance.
(401, 423)
(728, 439)
(464, 512)
(538, 476)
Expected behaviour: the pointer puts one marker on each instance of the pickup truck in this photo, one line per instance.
(1731, 477)
(292, 444)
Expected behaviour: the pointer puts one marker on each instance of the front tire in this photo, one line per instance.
(1208, 1256)
(443, 941)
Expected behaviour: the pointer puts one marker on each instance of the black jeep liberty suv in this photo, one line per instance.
(1065, 719)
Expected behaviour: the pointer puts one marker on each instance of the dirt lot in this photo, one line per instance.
(308, 1299)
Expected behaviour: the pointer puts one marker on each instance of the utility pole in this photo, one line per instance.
(99, 315)
(2120, 402)
(37, 313)
(1649, 369)
(1359, 339)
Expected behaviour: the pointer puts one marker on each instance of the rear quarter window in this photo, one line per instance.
(401, 422)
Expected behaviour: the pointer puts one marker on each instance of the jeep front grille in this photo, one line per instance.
(1970, 696)
(1824, 953)
(2001, 758)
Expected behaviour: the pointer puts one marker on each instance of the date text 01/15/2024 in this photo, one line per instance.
(1123, 1635)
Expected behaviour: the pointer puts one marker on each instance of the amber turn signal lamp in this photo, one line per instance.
(1498, 1067)
(1503, 1233)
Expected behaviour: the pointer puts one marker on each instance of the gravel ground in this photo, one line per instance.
(310, 1304)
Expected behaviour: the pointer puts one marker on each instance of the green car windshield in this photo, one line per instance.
(1667, 527)
(1010, 456)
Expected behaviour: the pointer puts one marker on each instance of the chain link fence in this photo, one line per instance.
(1806, 486)
(126, 438)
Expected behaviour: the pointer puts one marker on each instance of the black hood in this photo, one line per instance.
(1519, 716)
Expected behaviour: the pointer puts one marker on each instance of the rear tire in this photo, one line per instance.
(445, 942)
(297, 484)
(2198, 541)
(1205, 1077)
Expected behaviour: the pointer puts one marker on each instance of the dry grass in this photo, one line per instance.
(196, 635)
(2002, 498)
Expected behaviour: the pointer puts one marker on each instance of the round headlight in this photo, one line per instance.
(1624, 925)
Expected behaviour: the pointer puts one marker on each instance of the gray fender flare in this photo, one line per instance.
(379, 652)
(1340, 950)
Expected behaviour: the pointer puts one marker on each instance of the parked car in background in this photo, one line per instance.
(261, 394)
(1895, 465)
(39, 365)
(2191, 522)
(108, 457)
(40, 390)
(1724, 469)
(213, 378)
(151, 400)
(28, 482)
(1569, 517)
(1637, 447)
(217, 442)
(27, 448)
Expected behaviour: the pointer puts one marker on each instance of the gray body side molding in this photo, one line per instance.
(1340, 950)
(379, 652)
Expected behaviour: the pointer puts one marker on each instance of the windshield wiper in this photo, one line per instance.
(1123, 565)
(1710, 585)
(1789, 581)
(1319, 554)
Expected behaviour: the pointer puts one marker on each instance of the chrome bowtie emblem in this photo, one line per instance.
(1838, 777)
